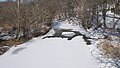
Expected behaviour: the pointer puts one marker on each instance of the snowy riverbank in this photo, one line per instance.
(50, 53)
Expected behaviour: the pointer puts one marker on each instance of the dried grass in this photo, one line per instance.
(109, 50)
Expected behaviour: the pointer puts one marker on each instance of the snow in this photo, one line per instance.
(109, 21)
(50, 53)
(65, 25)
(68, 34)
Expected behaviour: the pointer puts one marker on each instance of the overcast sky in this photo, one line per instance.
(2, 0)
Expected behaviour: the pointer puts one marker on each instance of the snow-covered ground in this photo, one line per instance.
(50, 53)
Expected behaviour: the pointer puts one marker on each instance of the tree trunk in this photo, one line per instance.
(18, 19)
(104, 14)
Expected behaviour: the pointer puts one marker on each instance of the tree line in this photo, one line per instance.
(31, 15)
